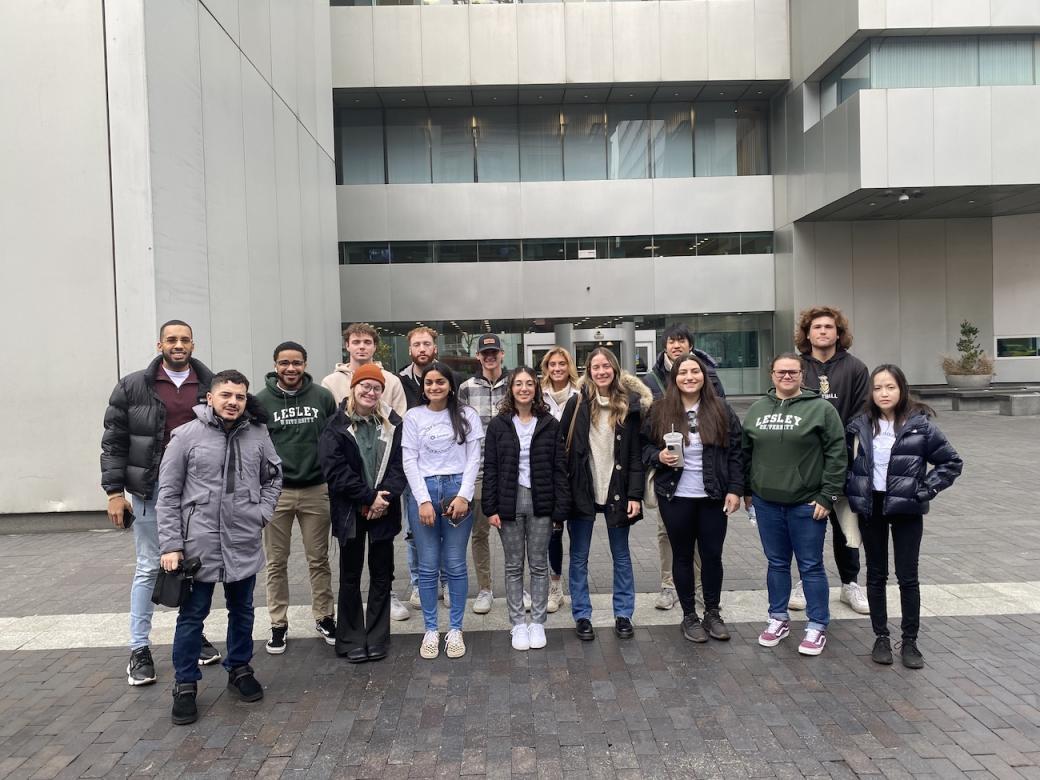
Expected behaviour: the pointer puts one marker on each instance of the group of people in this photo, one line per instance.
(219, 475)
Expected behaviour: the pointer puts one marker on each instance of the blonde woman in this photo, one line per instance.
(600, 429)
(559, 383)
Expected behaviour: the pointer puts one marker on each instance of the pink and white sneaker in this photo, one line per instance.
(813, 643)
(775, 631)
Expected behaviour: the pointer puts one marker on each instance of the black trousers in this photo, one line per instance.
(906, 532)
(355, 628)
(695, 523)
(845, 558)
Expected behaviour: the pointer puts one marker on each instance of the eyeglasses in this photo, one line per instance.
(290, 363)
(788, 373)
(370, 389)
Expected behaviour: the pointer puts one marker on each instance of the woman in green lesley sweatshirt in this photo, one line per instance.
(794, 455)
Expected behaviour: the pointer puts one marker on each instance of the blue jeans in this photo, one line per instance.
(580, 532)
(786, 529)
(187, 639)
(441, 547)
(146, 543)
(409, 540)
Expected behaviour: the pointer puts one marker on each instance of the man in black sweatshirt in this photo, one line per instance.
(823, 338)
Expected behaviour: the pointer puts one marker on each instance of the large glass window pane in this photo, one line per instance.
(543, 249)
(499, 250)
(412, 252)
(717, 244)
(584, 143)
(1025, 346)
(451, 144)
(586, 248)
(407, 147)
(498, 144)
(752, 139)
(541, 144)
(361, 146)
(1005, 59)
(949, 61)
(756, 243)
(455, 251)
(628, 134)
(631, 246)
(715, 139)
(855, 74)
(671, 135)
(364, 253)
(675, 246)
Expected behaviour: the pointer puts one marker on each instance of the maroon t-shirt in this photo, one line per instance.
(179, 401)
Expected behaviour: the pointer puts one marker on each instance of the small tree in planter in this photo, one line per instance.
(972, 368)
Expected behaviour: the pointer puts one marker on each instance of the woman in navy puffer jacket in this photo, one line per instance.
(889, 486)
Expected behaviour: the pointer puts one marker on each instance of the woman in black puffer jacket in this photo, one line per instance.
(889, 486)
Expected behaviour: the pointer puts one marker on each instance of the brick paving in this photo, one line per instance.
(655, 706)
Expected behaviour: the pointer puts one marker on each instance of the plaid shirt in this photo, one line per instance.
(478, 392)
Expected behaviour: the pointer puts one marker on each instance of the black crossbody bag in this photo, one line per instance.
(172, 588)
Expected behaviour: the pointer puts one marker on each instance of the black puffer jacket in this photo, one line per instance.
(627, 479)
(723, 467)
(341, 463)
(502, 469)
(132, 444)
(909, 485)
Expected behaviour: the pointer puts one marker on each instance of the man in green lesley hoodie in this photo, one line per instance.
(794, 458)
(298, 410)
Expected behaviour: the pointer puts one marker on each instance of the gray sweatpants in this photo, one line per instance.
(526, 535)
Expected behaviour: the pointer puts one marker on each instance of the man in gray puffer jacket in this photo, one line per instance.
(218, 487)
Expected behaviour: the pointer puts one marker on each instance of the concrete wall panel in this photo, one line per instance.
(772, 40)
(418, 291)
(960, 13)
(305, 49)
(637, 41)
(254, 24)
(588, 31)
(548, 208)
(353, 43)
(911, 155)
(363, 213)
(963, 138)
(493, 47)
(322, 81)
(225, 13)
(290, 230)
(1016, 279)
(684, 40)
(874, 316)
(970, 268)
(584, 288)
(283, 50)
(397, 36)
(833, 252)
(445, 44)
(729, 22)
(1015, 117)
(697, 283)
(1014, 13)
(711, 204)
(541, 43)
(912, 14)
(330, 350)
(922, 313)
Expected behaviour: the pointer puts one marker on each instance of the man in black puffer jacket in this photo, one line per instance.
(144, 408)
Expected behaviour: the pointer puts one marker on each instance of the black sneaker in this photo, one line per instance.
(276, 644)
(882, 652)
(715, 626)
(693, 629)
(912, 658)
(583, 628)
(184, 709)
(327, 628)
(208, 654)
(242, 682)
(141, 669)
(623, 628)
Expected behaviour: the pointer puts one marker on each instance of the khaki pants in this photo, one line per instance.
(310, 507)
(664, 551)
(480, 546)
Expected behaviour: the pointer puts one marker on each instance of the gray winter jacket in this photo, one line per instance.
(217, 491)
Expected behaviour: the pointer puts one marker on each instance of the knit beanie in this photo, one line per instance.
(368, 371)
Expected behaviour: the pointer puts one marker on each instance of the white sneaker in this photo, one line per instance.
(431, 645)
(453, 644)
(666, 599)
(555, 596)
(521, 641)
(483, 602)
(414, 599)
(797, 600)
(398, 611)
(527, 601)
(536, 636)
(853, 595)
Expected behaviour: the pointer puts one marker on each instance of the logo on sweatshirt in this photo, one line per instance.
(825, 387)
(297, 415)
(778, 422)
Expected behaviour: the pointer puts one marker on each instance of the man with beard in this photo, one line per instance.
(144, 408)
(422, 349)
(298, 409)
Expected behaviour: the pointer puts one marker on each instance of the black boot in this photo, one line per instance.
(242, 682)
(184, 709)
(912, 658)
(882, 652)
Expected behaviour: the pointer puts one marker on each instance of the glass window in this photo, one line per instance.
(1006, 59)
(756, 243)
(361, 147)
(584, 143)
(947, 61)
(363, 253)
(586, 248)
(752, 139)
(718, 244)
(631, 246)
(541, 144)
(628, 134)
(671, 134)
(855, 74)
(543, 249)
(675, 246)
(407, 147)
(451, 145)
(715, 139)
(498, 145)
(412, 252)
(1027, 346)
(455, 251)
(496, 251)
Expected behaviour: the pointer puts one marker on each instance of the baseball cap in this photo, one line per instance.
(489, 341)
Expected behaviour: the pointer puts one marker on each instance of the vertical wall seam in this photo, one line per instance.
(111, 199)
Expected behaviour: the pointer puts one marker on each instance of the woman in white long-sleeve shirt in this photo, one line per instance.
(441, 446)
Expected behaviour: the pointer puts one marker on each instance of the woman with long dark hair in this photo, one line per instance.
(559, 383)
(600, 432)
(360, 454)
(890, 486)
(441, 445)
(697, 484)
(522, 481)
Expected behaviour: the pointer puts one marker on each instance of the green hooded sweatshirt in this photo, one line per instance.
(295, 422)
(794, 449)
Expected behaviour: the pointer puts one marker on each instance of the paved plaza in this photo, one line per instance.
(655, 706)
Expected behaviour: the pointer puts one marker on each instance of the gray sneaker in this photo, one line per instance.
(483, 602)
(797, 600)
(398, 611)
(666, 599)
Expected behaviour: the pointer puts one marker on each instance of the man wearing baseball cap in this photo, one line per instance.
(484, 392)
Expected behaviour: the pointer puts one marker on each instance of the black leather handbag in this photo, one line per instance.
(172, 588)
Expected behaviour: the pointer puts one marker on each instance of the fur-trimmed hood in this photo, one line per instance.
(639, 395)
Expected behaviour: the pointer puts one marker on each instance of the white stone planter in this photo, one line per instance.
(969, 381)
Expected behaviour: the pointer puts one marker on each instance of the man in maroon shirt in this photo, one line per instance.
(144, 409)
